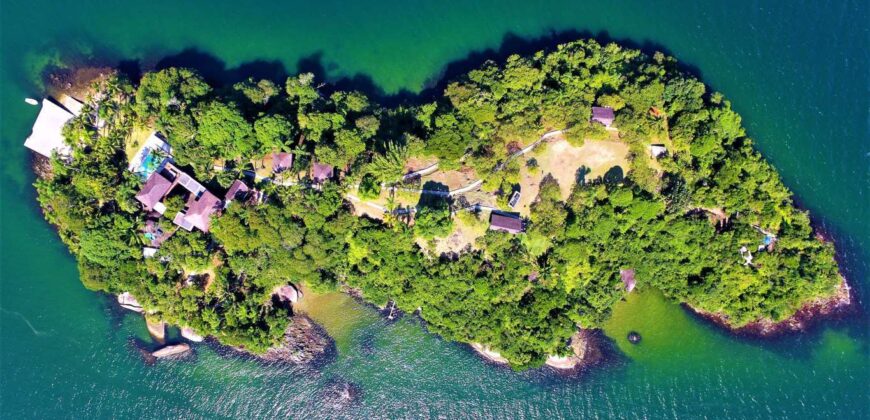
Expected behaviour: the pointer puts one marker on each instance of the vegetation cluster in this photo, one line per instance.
(523, 295)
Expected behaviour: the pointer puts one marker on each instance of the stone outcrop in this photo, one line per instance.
(191, 335)
(171, 350)
(304, 342)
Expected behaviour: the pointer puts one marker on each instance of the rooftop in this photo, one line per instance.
(238, 191)
(321, 172)
(281, 162)
(154, 189)
(199, 210)
(47, 135)
(511, 224)
(603, 115)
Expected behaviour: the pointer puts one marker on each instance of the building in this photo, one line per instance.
(505, 223)
(198, 211)
(152, 192)
(201, 204)
(47, 134)
(627, 277)
(281, 162)
(151, 157)
(603, 115)
(321, 172)
(238, 191)
(657, 150)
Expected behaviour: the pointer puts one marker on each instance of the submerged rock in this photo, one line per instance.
(339, 394)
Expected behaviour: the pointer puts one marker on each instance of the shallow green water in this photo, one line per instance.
(797, 72)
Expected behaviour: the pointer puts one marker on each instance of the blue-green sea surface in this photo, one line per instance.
(797, 71)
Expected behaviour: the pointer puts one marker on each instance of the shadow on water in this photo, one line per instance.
(215, 70)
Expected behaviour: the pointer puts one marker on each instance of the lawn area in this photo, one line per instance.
(136, 139)
(467, 227)
(563, 161)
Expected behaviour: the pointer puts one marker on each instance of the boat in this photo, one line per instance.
(31, 101)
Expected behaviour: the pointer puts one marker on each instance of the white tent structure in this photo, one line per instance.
(47, 135)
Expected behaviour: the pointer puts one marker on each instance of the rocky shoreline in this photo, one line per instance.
(811, 312)
(304, 342)
(587, 347)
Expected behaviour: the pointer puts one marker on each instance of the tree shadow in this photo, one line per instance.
(582, 171)
(613, 175)
(216, 72)
(438, 199)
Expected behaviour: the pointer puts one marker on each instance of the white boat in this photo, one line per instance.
(31, 101)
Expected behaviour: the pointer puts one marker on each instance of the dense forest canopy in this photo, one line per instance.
(524, 295)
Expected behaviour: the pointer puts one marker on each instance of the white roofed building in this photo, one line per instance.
(47, 135)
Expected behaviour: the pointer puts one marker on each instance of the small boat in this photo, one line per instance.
(31, 101)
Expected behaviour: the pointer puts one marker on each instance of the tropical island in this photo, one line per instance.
(512, 212)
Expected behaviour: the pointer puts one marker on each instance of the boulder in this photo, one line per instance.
(171, 350)
(157, 329)
(191, 335)
(127, 301)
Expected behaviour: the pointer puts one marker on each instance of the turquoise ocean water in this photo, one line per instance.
(798, 72)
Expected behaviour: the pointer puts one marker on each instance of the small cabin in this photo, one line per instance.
(506, 223)
(658, 150)
(321, 172)
(238, 191)
(603, 115)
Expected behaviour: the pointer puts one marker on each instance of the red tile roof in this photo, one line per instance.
(153, 190)
(321, 172)
(238, 191)
(199, 210)
(281, 161)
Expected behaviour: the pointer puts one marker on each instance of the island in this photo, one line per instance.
(513, 211)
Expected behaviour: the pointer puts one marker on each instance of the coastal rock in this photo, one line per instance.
(287, 293)
(813, 310)
(304, 342)
(489, 354)
(191, 335)
(127, 301)
(157, 329)
(578, 346)
(171, 350)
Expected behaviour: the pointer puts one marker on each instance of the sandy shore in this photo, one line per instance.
(584, 345)
(839, 302)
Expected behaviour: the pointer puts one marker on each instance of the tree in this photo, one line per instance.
(223, 130)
